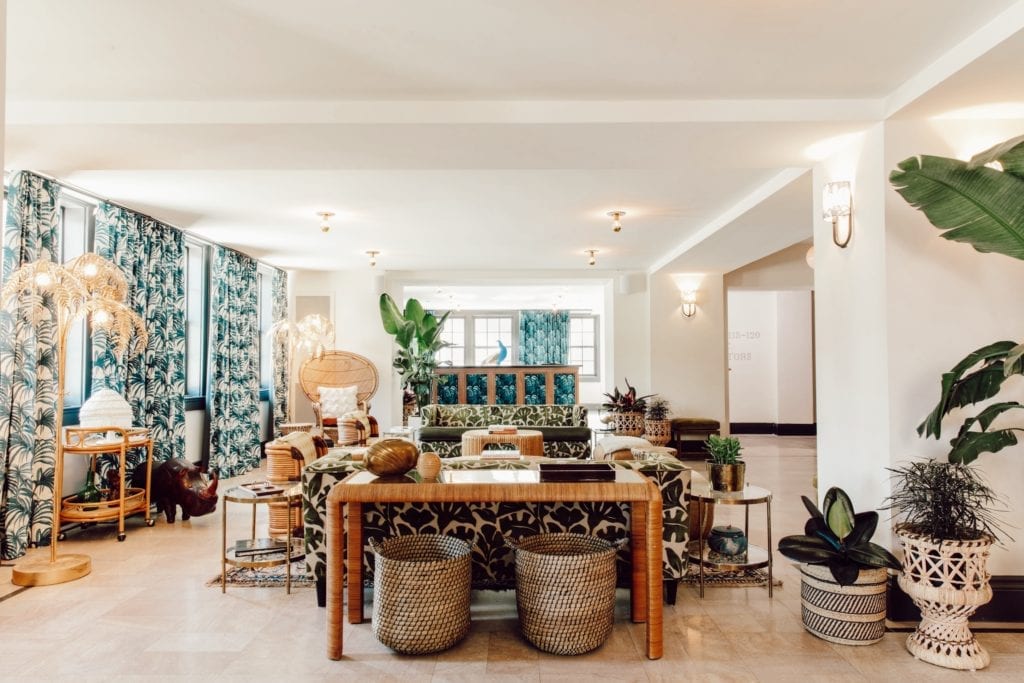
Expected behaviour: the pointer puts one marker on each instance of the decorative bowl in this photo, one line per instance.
(727, 540)
(389, 457)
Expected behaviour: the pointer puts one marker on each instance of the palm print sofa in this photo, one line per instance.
(487, 523)
(565, 430)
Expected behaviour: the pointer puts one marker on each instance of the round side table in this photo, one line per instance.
(262, 552)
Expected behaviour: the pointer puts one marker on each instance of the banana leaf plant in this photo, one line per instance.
(417, 333)
(984, 207)
(838, 538)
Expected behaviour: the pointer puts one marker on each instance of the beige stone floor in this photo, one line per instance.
(144, 613)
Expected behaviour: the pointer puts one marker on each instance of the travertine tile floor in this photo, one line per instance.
(145, 614)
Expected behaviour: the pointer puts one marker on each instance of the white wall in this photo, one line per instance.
(753, 356)
(852, 362)
(688, 355)
(795, 358)
(944, 301)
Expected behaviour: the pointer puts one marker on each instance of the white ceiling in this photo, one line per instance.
(453, 134)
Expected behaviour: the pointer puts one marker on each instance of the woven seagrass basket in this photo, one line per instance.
(848, 615)
(565, 591)
(421, 586)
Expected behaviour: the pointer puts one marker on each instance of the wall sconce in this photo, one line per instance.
(689, 307)
(592, 253)
(837, 201)
(325, 225)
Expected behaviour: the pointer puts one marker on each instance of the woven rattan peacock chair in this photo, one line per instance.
(349, 372)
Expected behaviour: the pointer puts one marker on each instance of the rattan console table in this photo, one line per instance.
(493, 486)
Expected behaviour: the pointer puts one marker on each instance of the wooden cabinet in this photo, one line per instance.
(506, 385)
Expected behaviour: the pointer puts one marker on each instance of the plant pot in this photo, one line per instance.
(629, 424)
(658, 432)
(848, 615)
(727, 478)
(948, 580)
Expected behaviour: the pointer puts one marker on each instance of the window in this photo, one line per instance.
(453, 332)
(76, 228)
(196, 278)
(487, 330)
(583, 349)
(266, 293)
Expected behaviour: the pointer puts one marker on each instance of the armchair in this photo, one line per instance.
(336, 370)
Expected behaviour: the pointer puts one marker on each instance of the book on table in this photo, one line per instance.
(259, 546)
(502, 429)
(259, 488)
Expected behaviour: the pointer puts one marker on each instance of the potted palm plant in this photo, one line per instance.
(657, 426)
(726, 470)
(626, 410)
(843, 575)
(947, 529)
(418, 335)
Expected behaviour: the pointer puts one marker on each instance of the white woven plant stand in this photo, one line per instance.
(948, 581)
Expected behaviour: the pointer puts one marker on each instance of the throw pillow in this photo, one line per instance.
(337, 401)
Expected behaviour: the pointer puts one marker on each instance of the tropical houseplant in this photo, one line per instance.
(417, 334)
(726, 469)
(657, 426)
(626, 410)
(983, 206)
(843, 575)
(947, 529)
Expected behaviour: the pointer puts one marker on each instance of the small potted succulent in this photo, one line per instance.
(843, 575)
(726, 470)
(947, 529)
(627, 410)
(657, 426)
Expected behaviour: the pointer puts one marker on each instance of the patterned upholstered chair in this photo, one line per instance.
(342, 370)
(487, 523)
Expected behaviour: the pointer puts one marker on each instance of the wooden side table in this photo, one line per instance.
(528, 441)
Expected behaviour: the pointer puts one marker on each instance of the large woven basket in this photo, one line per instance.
(565, 591)
(848, 615)
(421, 588)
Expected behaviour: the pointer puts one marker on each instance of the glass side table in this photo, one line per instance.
(756, 557)
(267, 554)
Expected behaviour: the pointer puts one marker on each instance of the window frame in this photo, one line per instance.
(71, 413)
(470, 333)
(264, 285)
(198, 401)
(596, 377)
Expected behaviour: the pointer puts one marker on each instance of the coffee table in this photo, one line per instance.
(528, 441)
(497, 486)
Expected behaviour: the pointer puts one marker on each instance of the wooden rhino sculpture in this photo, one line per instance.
(179, 482)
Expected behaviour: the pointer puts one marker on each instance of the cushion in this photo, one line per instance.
(610, 445)
(303, 443)
(337, 401)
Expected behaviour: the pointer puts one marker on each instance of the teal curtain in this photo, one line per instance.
(152, 257)
(28, 371)
(234, 392)
(282, 360)
(543, 337)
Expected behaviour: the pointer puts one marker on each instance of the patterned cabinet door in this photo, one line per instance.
(476, 389)
(565, 389)
(447, 389)
(505, 390)
(536, 389)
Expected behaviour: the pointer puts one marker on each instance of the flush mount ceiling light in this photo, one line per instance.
(616, 220)
(325, 226)
(592, 253)
(373, 257)
(836, 202)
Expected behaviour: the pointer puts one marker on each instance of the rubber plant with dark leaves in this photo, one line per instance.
(984, 207)
(838, 538)
(418, 335)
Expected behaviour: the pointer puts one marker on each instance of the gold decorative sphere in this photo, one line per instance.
(389, 457)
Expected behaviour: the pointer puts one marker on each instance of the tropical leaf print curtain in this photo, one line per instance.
(28, 370)
(281, 357)
(152, 257)
(234, 396)
(543, 337)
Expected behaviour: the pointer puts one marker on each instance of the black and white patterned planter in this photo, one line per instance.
(849, 615)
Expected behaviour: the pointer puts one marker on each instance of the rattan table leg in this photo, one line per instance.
(355, 563)
(655, 643)
(639, 561)
(335, 579)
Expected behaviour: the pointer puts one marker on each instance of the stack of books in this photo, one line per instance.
(501, 429)
(259, 546)
(495, 454)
